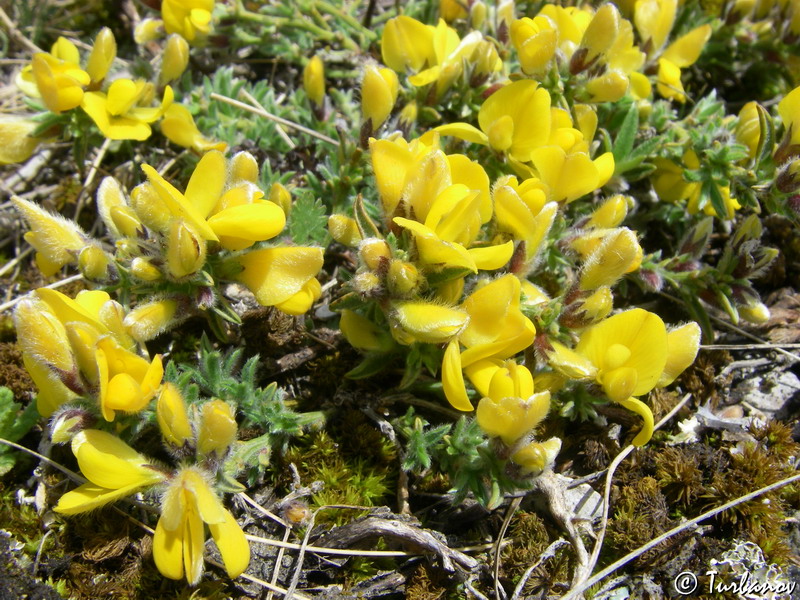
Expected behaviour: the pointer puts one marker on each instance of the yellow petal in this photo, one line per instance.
(682, 343)
(452, 380)
(406, 44)
(232, 544)
(276, 274)
(255, 222)
(168, 551)
(570, 363)
(492, 257)
(207, 182)
(685, 51)
(648, 425)
(429, 322)
(108, 462)
(464, 131)
(89, 496)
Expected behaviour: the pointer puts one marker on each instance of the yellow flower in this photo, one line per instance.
(569, 176)
(314, 80)
(748, 128)
(535, 42)
(406, 44)
(127, 382)
(120, 114)
(172, 416)
(179, 540)
(58, 77)
(57, 240)
(617, 254)
(421, 321)
(789, 111)
(510, 409)
(523, 210)
(189, 18)
(186, 250)
(150, 319)
(537, 456)
(450, 10)
(114, 470)
(282, 277)
(378, 94)
(446, 64)
(363, 334)
(515, 119)
(178, 127)
(112, 205)
(496, 329)
(628, 355)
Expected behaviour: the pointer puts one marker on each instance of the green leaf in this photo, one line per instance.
(308, 222)
(15, 422)
(766, 138)
(371, 365)
(623, 145)
(711, 190)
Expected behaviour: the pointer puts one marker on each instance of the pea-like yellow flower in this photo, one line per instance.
(344, 230)
(114, 470)
(535, 42)
(282, 277)
(314, 80)
(789, 111)
(187, 506)
(748, 127)
(127, 381)
(510, 409)
(378, 94)
(618, 253)
(58, 77)
(446, 64)
(515, 119)
(406, 44)
(178, 127)
(523, 210)
(189, 18)
(628, 355)
(57, 241)
(570, 175)
(496, 329)
(104, 51)
(151, 319)
(186, 250)
(123, 112)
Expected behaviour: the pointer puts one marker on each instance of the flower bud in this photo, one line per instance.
(93, 263)
(143, 269)
(42, 335)
(148, 30)
(450, 10)
(363, 334)
(344, 230)
(788, 178)
(477, 14)
(485, 58)
(279, 195)
(150, 208)
(429, 322)
(217, 427)
(68, 422)
(378, 94)
(619, 253)
(748, 128)
(243, 167)
(374, 253)
(104, 51)
(16, 142)
(174, 60)
(611, 213)
(599, 35)
(402, 279)
(172, 417)
(609, 87)
(537, 456)
(186, 250)
(593, 308)
(535, 41)
(408, 115)
(367, 284)
(314, 80)
(149, 320)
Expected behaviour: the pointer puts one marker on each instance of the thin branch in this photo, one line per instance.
(261, 582)
(268, 115)
(60, 283)
(71, 474)
(278, 127)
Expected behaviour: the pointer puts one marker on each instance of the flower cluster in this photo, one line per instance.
(174, 248)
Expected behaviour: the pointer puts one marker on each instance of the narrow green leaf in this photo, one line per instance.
(626, 136)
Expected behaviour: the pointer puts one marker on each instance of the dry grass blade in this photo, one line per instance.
(61, 283)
